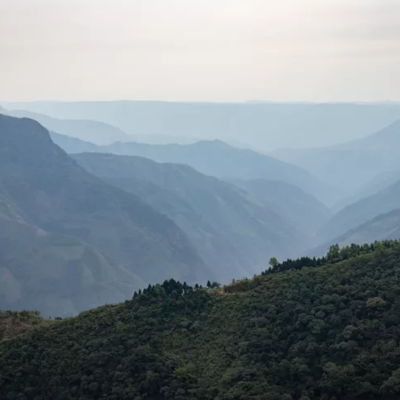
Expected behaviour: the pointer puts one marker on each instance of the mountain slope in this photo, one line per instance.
(380, 182)
(91, 131)
(353, 164)
(55, 195)
(221, 160)
(73, 145)
(56, 274)
(234, 233)
(304, 211)
(308, 333)
(383, 227)
(360, 212)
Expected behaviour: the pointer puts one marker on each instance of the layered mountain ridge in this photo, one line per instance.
(234, 232)
(45, 193)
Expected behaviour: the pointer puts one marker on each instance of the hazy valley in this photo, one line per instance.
(199, 200)
(191, 212)
(210, 250)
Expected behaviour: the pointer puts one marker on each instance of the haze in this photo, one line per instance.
(200, 50)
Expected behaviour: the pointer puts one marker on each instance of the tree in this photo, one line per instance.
(273, 262)
(333, 253)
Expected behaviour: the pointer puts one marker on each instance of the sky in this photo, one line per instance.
(200, 50)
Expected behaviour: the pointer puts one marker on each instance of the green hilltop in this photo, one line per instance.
(307, 329)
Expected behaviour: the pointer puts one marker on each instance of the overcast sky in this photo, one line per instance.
(200, 50)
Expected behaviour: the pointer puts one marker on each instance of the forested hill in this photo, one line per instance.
(328, 331)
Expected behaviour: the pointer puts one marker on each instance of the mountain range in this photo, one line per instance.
(353, 164)
(288, 199)
(92, 131)
(81, 232)
(148, 225)
(214, 158)
(234, 232)
(264, 126)
(127, 214)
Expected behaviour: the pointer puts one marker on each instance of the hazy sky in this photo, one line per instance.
(207, 50)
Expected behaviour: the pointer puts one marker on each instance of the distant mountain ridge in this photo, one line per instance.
(92, 131)
(266, 126)
(214, 158)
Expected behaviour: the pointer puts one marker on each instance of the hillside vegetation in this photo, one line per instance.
(309, 329)
(13, 323)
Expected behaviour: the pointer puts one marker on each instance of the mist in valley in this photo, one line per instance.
(199, 200)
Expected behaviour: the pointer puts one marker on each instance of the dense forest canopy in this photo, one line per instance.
(328, 331)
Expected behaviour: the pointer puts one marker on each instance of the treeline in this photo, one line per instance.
(325, 333)
(173, 288)
(334, 255)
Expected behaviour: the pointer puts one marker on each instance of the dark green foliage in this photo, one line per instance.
(334, 255)
(327, 331)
